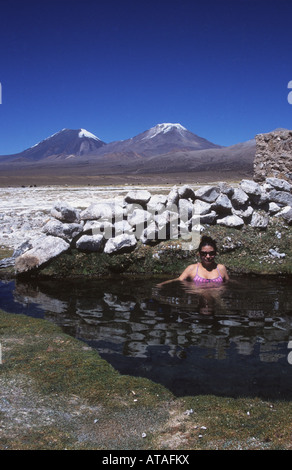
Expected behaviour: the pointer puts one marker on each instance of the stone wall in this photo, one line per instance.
(273, 156)
(144, 218)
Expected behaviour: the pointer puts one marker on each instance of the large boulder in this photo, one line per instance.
(209, 218)
(65, 213)
(285, 214)
(139, 196)
(281, 197)
(98, 227)
(186, 192)
(279, 184)
(222, 204)
(157, 203)
(239, 198)
(167, 224)
(102, 211)
(201, 207)
(244, 213)
(43, 250)
(225, 188)
(121, 243)
(122, 226)
(259, 220)
(231, 221)
(172, 198)
(67, 231)
(90, 243)
(207, 193)
(250, 187)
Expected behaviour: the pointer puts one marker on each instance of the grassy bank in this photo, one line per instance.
(57, 393)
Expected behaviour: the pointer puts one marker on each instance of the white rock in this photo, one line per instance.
(276, 254)
(165, 219)
(90, 243)
(157, 203)
(281, 197)
(225, 188)
(96, 227)
(44, 249)
(102, 211)
(280, 184)
(122, 226)
(65, 212)
(139, 196)
(273, 208)
(259, 220)
(222, 204)
(286, 214)
(250, 187)
(67, 231)
(120, 243)
(245, 214)
(172, 198)
(138, 218)
(186, 192)
(208, 193)
(231, 221)
(239, 198)
(201, 207)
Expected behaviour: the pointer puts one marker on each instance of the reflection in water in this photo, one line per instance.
(229, 340)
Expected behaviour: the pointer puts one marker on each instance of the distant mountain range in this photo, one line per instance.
(164, 148)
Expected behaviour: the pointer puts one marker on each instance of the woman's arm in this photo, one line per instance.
(183, 277)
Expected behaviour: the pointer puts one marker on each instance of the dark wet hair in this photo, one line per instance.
(205, 240)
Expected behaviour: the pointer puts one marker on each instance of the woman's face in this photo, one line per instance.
(207, 254)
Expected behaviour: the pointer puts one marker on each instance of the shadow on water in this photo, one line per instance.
(227, 341)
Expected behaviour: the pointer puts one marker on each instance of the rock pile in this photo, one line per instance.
(146, 218)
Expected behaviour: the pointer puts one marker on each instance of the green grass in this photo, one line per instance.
(61, 395)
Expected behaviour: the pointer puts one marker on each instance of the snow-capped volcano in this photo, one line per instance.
(175, 136)
(160, 139)
(62, 144)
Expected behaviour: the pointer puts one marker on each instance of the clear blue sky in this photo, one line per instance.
(220, 68)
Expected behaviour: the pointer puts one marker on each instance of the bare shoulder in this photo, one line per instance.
(223, 271)
(192, 267)
(188, 272)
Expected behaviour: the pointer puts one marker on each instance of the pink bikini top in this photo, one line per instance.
(201, 280)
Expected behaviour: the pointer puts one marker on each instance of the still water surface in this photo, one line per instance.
(227, 341)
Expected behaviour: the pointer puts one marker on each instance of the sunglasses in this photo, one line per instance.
(210, 253)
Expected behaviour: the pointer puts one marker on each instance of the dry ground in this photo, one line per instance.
(27, 177)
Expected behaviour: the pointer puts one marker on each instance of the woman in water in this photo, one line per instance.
(207, 272)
